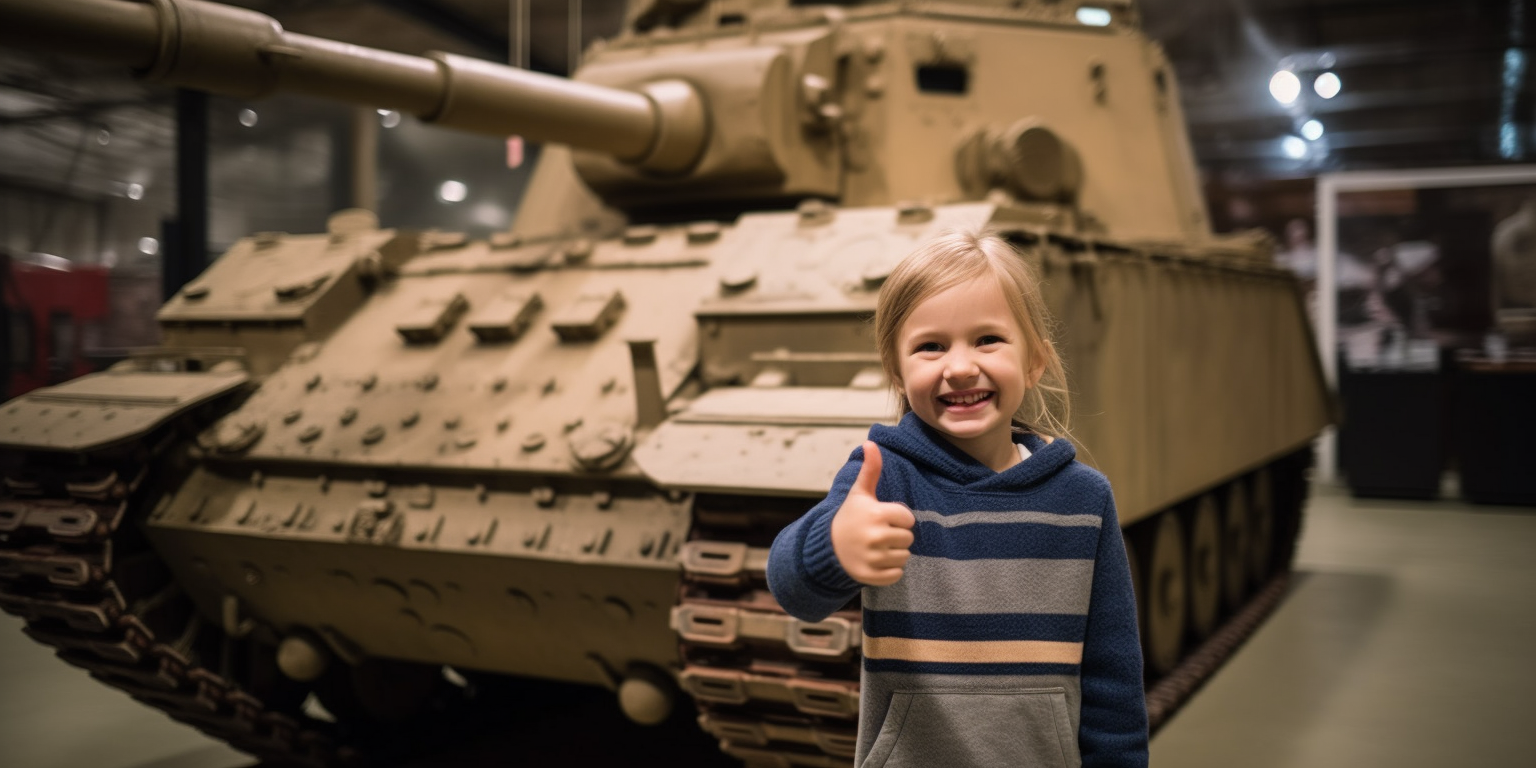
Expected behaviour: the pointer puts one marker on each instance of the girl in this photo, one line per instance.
(999, 623)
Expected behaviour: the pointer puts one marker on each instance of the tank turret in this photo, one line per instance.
(364, 455)
(761, 103)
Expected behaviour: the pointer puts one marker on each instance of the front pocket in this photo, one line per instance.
(976, 729)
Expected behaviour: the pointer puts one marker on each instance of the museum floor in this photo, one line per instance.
(1408, 639)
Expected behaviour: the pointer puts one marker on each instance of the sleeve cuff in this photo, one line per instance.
(820, 559)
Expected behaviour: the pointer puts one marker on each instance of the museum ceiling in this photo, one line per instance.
(1421, 82)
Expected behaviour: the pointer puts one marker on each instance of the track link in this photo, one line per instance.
(74, 567)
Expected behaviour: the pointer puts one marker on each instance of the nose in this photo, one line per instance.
(960, 364)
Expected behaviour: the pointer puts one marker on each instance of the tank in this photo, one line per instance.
(366, 457)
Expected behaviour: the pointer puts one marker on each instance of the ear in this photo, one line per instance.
(1037, 364)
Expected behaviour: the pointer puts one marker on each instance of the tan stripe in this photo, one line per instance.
(989, 651)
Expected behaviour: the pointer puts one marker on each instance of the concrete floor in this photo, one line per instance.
(1408, 639)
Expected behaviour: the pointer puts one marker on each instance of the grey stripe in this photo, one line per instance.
(941, 585)
(968, 518)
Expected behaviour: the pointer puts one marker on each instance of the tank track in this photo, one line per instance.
(75, 566)
(777, 691)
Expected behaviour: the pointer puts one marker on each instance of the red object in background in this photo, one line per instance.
(51, 301)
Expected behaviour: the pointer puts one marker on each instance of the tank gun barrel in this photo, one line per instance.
(238, 52)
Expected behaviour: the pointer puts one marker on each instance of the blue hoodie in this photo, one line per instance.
(1010, 639)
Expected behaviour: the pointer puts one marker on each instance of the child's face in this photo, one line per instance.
(964, 364)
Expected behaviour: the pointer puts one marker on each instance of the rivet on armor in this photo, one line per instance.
(391, 592)
(310, 434)
(234, 437)
(292, 416)
(579, 250)
(422, 592)
(312, 382)
(410, 419)
(533, 442)
(601, 446)
(522, 603)
(874, 274)
(703, 232)
(618, 610)
(815, 211)
(913, 213)
(374, 434)
(640, 234)
(348, 416)
(738, 280)
(544, 496)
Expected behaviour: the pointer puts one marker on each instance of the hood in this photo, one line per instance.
(932, 454)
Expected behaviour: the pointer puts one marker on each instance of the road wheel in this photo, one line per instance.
(1261, 517)
(1235, 538)
(1204, 522)
(1167, 606)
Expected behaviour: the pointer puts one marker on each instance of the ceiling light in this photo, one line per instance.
(1094, 17)
(452, 191)
(135, 191)
(248, 117)
(1293, 147)
(1312, 130)
(1284, 86)
(1327, 85)
(389, 118)
(149, 246)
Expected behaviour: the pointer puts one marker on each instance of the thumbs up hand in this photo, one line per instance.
(870, 537)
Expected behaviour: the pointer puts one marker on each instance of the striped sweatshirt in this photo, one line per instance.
(1010, 639)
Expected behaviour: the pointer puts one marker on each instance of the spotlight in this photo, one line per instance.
(1293, 147)
(1327, 85)
(452, 191)
(1312, 130)
(1284, 86)
(248, 118)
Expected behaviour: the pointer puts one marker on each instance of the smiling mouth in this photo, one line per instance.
(966, 399)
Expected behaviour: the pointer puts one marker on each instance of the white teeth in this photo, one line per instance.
(965, 399)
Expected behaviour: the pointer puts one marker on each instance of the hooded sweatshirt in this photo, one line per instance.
(1010, 639)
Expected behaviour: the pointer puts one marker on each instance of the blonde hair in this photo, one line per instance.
(956, 257)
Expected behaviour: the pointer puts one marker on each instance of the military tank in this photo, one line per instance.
(366, 458)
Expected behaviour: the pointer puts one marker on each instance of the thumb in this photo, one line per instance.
(869, 474)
